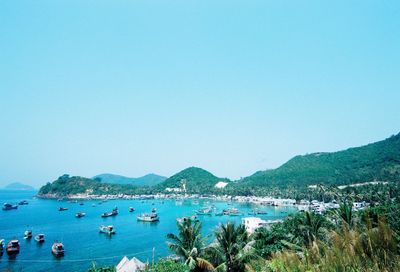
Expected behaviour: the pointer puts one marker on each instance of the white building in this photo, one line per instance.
(221, 184)
(132, 265)
(253, 223)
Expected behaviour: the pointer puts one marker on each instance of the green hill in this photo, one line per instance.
(66, 185)
(377, 161)
(147, 180)
(197, 180)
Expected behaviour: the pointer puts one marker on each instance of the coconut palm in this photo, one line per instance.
(345, 213)
(189, 245)
(233, 248)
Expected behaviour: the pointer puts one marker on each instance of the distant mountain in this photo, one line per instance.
(19, 186)
(147, 180)
(197, 180)
(378, 161)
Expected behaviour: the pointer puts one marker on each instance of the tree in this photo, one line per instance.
(189, 245)
(233, 248)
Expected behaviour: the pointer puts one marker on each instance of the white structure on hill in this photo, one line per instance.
(132, 265)
(221, 184)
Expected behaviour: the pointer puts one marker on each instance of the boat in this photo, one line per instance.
(39, 238)
(62, 209)
(113, 213)
(107, 230)
(131, 209)
(23, 202)
(231, 212)
(81, 204)
(153, 210)
(58, 249)
(148, 217)
(204, 211)
(8, 206)
(1, 245)
(28, 234)
(13, 247)
(80, 214)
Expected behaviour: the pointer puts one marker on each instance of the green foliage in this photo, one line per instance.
(95, 268)
(168, 266)
(198, 181)
(377, 161)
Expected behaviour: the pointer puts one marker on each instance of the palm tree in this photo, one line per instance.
(345, 212)
(233, 248)
(189, 245)
(311, 226)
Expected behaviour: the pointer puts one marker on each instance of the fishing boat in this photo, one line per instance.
(148, 217)
(131, 209)
(231, 212)
(58, 249)
(154, 210)
(13, 247)
(61, 209)
(8, 206)
(204, 211)
(28, 234)
(39, 238)
(107, 230)
(80, 214)
(81, 204)
(113, 213)
(1, 246)
(23, 202)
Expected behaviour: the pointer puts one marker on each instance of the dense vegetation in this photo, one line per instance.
(379, 161)
(197, 181)
(66, 185)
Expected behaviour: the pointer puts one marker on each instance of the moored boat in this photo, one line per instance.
(107, 230)
(8, 206)
(131, 209)
(204, 211)
(28, 234)
(80, 214)
(58, 249)
(108, 214)
(23, 202)
(13, 247)
(148, 217)
(231, 212)
(61, 209)
(153, 210)
(1, 245)
(39, 238)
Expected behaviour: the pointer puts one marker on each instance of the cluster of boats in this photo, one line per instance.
(9, 206)
(228, 211)
(13, 247)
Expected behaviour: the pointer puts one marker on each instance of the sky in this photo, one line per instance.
(144, 86)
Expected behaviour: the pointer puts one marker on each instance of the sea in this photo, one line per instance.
(83, 242)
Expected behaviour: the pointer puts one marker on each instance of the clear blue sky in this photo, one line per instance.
(132, 87)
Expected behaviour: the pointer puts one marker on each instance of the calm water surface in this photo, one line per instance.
(82, 240)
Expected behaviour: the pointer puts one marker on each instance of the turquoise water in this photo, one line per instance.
(82, 240)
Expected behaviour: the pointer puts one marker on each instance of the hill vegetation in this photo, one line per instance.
(378, 161)
(197, 180)
(147, 180)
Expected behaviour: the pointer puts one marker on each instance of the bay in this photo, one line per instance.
(82, 240)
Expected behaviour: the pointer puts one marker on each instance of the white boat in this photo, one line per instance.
(148, 217)
(39, 238)
(107, 230)
(1, 245)
(58, 249)
(28, 234)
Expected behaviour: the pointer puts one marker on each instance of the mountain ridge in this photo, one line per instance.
(146, 180)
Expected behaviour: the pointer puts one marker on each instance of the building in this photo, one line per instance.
(253, 223)
(132, 265)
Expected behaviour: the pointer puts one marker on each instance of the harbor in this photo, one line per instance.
(83, 239)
